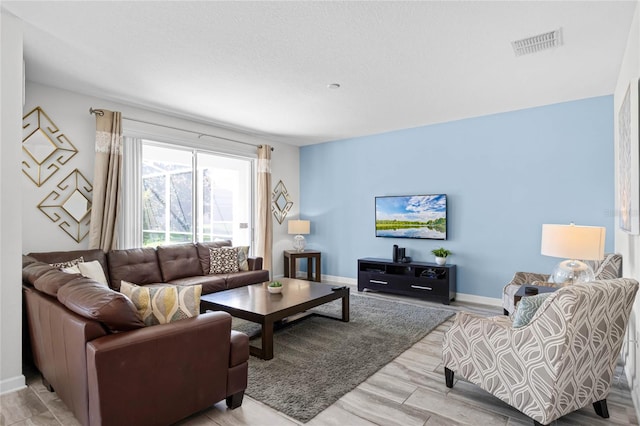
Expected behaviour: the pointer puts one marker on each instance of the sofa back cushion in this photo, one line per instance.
(139, 265)
(178, 261)
(34, 270)
(93, 300)
(65, 256)
(204, 256)
(53, 280)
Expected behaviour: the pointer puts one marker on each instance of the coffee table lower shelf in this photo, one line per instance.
(254, 303)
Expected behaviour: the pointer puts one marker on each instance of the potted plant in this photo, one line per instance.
(441, 255)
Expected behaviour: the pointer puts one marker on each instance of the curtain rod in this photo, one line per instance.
(200, 135)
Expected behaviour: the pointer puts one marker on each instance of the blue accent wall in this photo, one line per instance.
(504, 175)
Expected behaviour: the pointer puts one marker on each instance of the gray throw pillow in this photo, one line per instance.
(527, 308)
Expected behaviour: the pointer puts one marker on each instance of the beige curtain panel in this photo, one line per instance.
(264, 223)
(103, 233)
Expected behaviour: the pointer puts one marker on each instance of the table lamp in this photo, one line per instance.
(299, 227)
(573, 242)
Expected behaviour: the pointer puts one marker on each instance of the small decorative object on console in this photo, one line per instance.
(441, 255)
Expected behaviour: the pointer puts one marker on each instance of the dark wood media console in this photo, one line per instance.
(418, 279)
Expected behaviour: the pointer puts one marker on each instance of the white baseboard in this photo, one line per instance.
(482, 300)
(340, 280)
(12, 384)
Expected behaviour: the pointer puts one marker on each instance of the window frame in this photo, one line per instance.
(130, 224)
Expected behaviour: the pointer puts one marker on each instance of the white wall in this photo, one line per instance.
(629, 245)
(70, 112)
(11, 377)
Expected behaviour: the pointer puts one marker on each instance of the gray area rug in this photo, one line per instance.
(317, 360)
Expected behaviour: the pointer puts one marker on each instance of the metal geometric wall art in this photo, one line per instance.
(46, 148)
(70, 205)
(280, 202)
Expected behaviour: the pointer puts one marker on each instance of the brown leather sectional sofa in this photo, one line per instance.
(92, 348)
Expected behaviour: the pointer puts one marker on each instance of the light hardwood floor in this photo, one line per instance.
(408, 391)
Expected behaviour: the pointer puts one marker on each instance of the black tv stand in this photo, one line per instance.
(418, 279)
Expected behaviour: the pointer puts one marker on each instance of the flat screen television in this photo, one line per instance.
(412, 216)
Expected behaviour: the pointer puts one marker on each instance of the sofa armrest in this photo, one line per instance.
(159, 374)
(255, 263)
(239, 348)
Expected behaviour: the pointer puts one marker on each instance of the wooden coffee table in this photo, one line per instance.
(254, 303)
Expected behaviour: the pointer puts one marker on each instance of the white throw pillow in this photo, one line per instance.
(94, 271)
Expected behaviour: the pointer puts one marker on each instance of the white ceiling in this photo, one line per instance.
(264, 67)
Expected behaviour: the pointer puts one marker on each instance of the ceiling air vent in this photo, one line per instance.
(537, 43)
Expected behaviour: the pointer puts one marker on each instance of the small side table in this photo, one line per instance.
(290, 257)
(541, 289)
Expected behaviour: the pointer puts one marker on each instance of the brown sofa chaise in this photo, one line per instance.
(92, 348)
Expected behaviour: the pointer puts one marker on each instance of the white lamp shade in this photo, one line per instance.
(299, 227)
(573, 242)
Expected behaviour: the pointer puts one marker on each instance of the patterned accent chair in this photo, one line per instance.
(563, 360)
(608, 268)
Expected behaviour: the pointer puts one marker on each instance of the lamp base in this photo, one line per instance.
(570, 272)
(299, 243)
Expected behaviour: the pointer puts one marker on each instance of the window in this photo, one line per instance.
(194, 195)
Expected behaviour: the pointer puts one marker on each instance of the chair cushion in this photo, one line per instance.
(527, 308)
(163, 304)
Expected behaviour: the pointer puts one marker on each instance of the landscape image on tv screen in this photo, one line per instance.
(414, 216)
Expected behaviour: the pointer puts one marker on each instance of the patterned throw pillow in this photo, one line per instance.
(243, 256)
(163, 304)
(68, 263)
(527, 308)
(223, 260)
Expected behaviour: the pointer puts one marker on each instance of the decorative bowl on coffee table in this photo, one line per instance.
(274, 287)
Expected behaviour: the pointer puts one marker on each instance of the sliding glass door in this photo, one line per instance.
(191, 195)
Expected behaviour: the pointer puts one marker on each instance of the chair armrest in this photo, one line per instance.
(521, 278)
(160, 371)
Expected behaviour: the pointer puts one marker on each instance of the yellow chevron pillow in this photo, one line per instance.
(165, 303)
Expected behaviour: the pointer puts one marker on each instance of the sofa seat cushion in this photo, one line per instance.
(209, 283)
(95, 301)
(203, 253)
(178, 261)
(239, 279)
(139, 265)
(162, 304)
